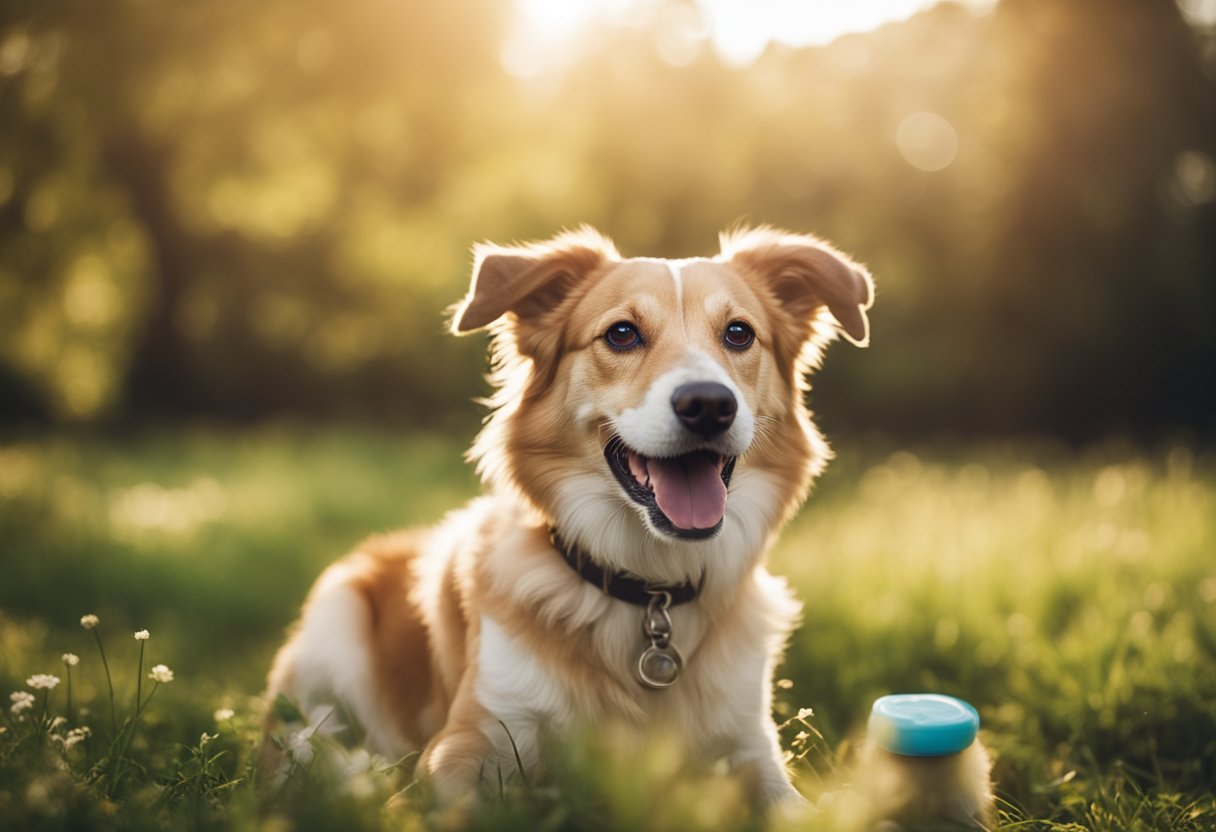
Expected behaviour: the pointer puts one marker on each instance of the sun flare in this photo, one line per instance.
(739, 30)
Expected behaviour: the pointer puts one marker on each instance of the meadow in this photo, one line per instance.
(1069, 594)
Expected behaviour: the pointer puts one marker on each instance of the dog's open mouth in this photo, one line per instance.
(685, 495)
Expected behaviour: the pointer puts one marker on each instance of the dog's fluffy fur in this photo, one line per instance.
(428, 640)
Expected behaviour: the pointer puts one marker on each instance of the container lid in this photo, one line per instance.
(923, 724)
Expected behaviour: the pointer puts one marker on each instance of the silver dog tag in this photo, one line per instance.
(659, 667)
(660, 664)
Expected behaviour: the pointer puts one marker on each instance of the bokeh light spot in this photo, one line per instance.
(90, 299)
(1194, 180)
(84, 381)
(14, 53)
(927, 141)
(1109, 486)
(152, 509)
(1198, 12)
(20, 471)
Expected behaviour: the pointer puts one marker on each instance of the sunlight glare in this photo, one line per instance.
(740, 30)
(544, 31)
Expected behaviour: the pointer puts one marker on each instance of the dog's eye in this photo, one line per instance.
(738, 335)
(623, 335)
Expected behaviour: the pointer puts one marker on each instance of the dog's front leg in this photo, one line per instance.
(478, 748)
(456, 759)
(454, 762)
(461, 761)
(757, 760)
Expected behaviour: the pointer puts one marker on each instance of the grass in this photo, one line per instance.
(1070, 596)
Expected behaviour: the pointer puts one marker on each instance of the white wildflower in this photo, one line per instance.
(58, 722)
(22, 700)
(142, 635)
(42, 681)
(805, 713)
(89, 621)
(356, 770)
(355, 761)
(299, 745)
(223, 714)
(71, 659)
(161, 673)
(76, 735)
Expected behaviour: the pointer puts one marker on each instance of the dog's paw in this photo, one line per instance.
(784, 797)
(786, 807)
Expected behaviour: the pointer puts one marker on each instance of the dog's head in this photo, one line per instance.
(652, 402)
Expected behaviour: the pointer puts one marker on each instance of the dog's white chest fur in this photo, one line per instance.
(525, 699)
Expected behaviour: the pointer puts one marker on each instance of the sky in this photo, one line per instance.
(741, 29)
(738, 29)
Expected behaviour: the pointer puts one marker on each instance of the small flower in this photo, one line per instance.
(89, 621)
(22, 700)
(42, 681)
(58, 722)
(76, 735)
(357, 762)
(223, 714)
(142, 635)
(71, 659)
(161, 673)
(300, 746)
(805, 713)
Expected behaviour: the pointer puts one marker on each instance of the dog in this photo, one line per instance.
(648, 438)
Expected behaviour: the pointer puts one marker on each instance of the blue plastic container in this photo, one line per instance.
(923, 724)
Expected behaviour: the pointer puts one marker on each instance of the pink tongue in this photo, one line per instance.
(689, 490)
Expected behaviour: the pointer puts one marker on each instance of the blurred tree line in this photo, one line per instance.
(232, 210)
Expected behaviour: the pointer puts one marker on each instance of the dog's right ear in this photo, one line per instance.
(529, 282)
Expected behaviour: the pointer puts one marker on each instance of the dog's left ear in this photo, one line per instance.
(806, 275)
(529, 282)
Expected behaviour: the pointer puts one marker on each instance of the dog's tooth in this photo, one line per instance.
(638, 468)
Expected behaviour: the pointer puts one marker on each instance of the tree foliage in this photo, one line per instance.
(234, 209)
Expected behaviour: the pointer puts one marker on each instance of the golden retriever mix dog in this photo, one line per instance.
(648, 440)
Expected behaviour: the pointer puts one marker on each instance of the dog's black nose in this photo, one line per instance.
(706, 408)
